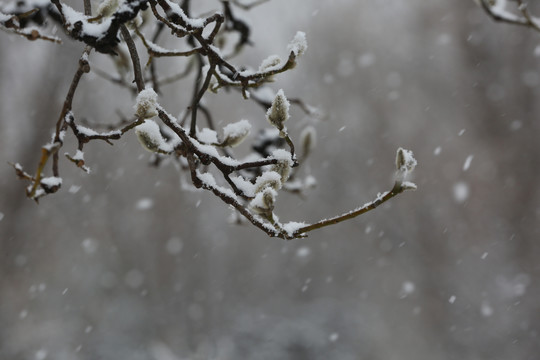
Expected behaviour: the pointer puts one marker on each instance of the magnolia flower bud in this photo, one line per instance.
(284, 164)
(298, 44)
(263, 203)
(146, 103)
(235, 133)
(269, 179)
(149, 136)
(279, 111)
(107, 8)
(308, 140)
(405, 161)
(270, 63)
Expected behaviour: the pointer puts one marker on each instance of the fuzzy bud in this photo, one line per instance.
(149, 136)
(269, 179)
(279, 111)
(298, 44)
(270, 63)
(308, 140)
(235, 133)
(146, 103)
(284, 165)
(405, 161)
(263, 203)
(107, 8)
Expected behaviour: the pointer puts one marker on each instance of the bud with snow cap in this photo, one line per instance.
(308, 140)
(146, 104)
(405, 161)
(269, 179)
(235, 133)
(150, 137)
(405, 164)
(270, 63)
(279, 111)
(284, 164)
(264, 201)
(298, 44)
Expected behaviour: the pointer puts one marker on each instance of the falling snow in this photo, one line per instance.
(144, 204)
(303, 251)
(461, 191)
(467, 163)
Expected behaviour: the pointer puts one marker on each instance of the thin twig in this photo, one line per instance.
(137, 71)
(397, 189)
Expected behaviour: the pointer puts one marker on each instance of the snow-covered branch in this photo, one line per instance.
(516, 14)
(251, 185)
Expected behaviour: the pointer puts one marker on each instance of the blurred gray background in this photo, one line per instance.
(124, 264)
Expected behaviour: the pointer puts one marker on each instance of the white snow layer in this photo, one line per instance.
(51, 181)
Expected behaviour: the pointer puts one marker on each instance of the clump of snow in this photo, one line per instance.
(298, 44)
(86, 131)
(244, 185)
(145, 104)
(210, 182)
(207, 136)
(193, 22)
(5, 17)
(452, 299)
(235, 133)
(51, 181)
(73, 17)
(79, 156)
(499, 9)
(407, 185)
(292, 226)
